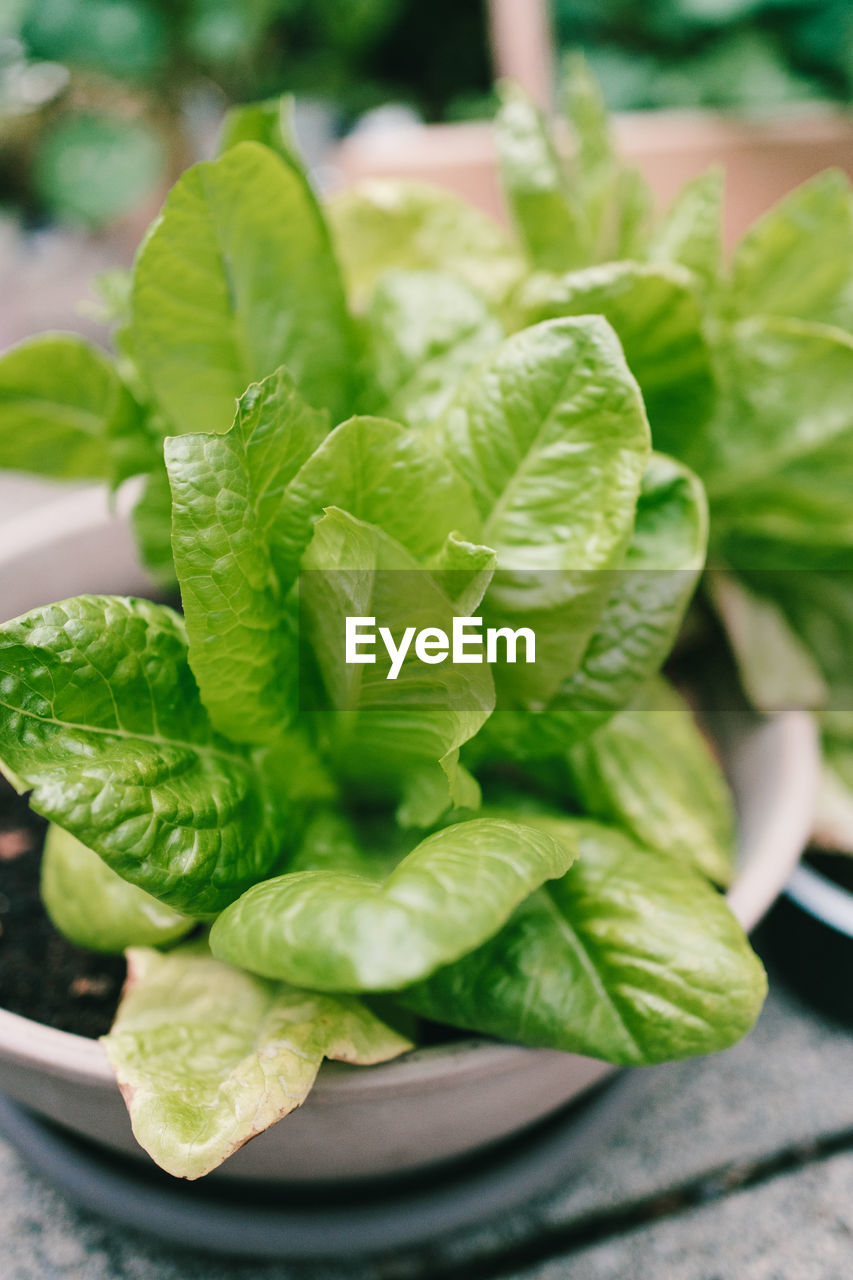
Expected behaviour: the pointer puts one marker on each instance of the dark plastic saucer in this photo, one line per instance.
(328, 1221)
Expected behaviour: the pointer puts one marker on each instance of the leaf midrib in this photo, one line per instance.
(127, 736)
(526, 464)
(584, 954)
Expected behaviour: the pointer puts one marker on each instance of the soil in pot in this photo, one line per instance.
(42, 975)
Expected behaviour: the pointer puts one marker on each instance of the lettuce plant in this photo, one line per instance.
(746, 368)
(303, 857)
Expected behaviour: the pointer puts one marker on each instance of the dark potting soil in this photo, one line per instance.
(42, 975)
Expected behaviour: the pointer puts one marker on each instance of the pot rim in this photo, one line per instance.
(65, 1055)
(74, 512)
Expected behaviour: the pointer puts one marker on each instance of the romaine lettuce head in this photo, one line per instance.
(398, 415)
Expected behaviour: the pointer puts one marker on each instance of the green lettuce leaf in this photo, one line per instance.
(65, 412)
(339, 931)
(631, 957)
(93, 907)
(691, 233)
(797, 260)
(424, 332)
(543, 203)
(776, 669)
(381, 473)
(648, 598)
(586, 113)
(269, 122)
(658, 319)
(385, 224)
(429, 791)
(777, 457)
(207, 1057)
(647, 602)
(332, 843)
(818, 608)
(227, 493)
(616, 200)
(552, 438)
(571, 211)
(236, 278)
(381, 729)
(463, 571)
(651, 772)
(101, 720)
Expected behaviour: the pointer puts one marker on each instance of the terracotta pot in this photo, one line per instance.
(435, 1103)
(763, 158)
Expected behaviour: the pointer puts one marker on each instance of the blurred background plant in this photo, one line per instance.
(745, 54)
(103, 101)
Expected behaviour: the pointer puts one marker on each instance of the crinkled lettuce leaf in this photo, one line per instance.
(463, 570)
(101, 720)
(645, 606)
(659, 321)
(777, 456)
(227, 493)
(207, 1057)
(337, 930)
(647, 601)
(631, 957)
(551, 436)
(379, 730)
(382, 473)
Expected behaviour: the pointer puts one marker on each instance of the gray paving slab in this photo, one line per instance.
(784, 1088)
(798, 1226)
(788, 1083)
